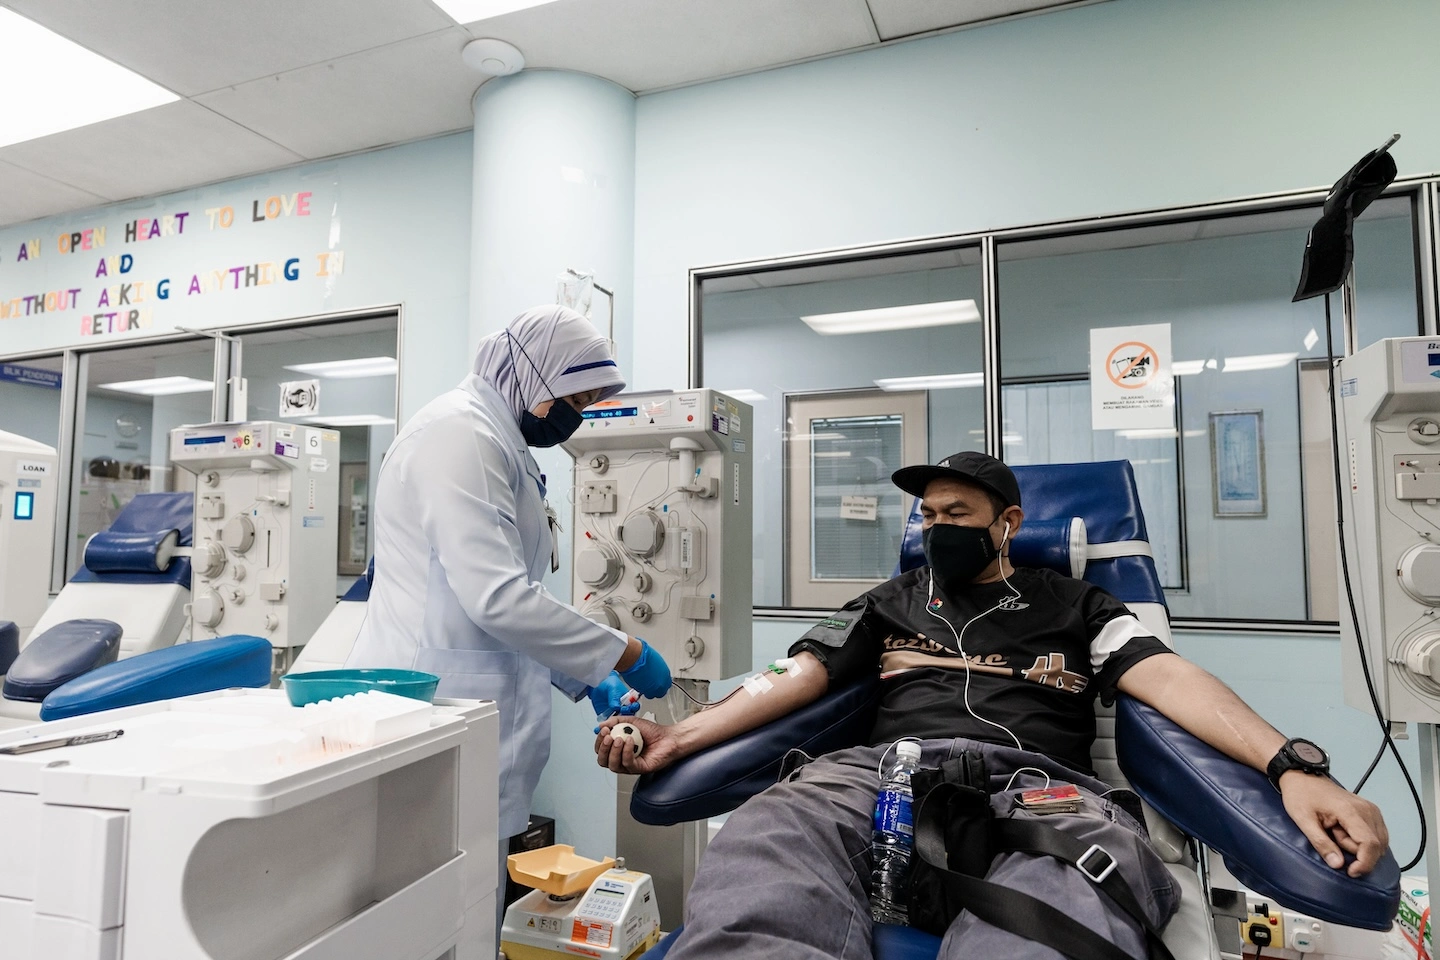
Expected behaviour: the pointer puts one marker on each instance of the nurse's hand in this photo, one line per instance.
(661, 747)
(609, 698)
(649, 674)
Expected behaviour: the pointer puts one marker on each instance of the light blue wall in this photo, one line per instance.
(401, 216)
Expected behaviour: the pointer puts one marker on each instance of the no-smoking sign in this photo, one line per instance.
(1132, 365)
(1131, 378)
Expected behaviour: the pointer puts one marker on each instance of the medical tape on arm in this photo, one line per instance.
(757, 685)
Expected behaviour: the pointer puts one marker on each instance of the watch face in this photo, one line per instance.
(1307, 752)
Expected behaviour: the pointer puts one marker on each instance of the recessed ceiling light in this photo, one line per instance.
(349, 420)
(160, 386)
(944, 381)
(885, 319)
(468, 11)
(53, 84)
(1259, 361)
(343, 369)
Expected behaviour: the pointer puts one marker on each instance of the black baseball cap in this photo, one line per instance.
(970, 466)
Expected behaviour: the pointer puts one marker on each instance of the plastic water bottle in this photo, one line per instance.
(894, 838)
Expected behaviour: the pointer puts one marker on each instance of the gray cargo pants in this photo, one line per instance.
(788, 877)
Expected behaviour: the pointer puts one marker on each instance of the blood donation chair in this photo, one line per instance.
(127, 598)
(1083, 520)
(329, 647)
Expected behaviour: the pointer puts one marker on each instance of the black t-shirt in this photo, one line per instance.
(1035, 663)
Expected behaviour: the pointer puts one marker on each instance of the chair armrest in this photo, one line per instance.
(1235, 810)
(719, 779)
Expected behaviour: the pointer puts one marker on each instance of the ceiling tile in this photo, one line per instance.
(416, 88)
(157, 150)
(649, 44)
(903, 18)
(28, 196)
(191, 47)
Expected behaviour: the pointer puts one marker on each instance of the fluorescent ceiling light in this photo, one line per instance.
(1186, 368)
(832, 454)
(1012, 439)
(944, 381)
(818, 436)
(1151, 433)
(349, 420)
(53, 84)
(1311, 339)
(744, 396)
(1259, 361)
(895, 318)
(468, 11)
(160, 386)
(342, 369)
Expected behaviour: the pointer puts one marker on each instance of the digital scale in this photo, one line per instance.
(578, 908)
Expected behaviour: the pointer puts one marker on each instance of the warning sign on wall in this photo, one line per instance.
(1132, 383)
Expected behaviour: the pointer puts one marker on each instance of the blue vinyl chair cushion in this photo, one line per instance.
(360, 589)
(148, 514)
(719, 779)
(60, 654)
(178, 671)
(1234, 809)
(111, 552)
(9, 644)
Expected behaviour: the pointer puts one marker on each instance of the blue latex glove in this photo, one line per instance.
(650, 674)
(609, 698)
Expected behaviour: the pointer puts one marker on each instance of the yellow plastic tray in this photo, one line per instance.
(556, 870)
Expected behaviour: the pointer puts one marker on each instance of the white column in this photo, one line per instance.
(554, 187)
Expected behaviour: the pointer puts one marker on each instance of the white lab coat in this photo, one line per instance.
(461, 542)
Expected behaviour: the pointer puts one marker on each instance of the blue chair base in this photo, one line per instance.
(891, 943)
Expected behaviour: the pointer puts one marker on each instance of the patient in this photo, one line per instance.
(974, 655)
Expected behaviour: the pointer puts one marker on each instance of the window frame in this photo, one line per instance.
(1422, 191)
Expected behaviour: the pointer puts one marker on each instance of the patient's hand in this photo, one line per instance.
(1334, 819)
(661, 747)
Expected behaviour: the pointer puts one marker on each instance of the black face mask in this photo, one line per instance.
(555, 427)
(957, 555)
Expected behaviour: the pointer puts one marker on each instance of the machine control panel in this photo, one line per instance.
(266, 518)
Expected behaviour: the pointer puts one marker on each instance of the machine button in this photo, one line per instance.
(238, 534)
(208, 609)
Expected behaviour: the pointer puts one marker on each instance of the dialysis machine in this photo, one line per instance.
(266, 513)
(663, 537)
(1389, 396)
(663, 527)
(28, 480)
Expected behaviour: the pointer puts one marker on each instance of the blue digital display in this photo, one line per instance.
(1435, 359)
(24, 505)
(609, 413)
(197, 441)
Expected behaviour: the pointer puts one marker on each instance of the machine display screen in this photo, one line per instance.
(197, 441)
(1435, 359)
(610, 413)
(24, 505)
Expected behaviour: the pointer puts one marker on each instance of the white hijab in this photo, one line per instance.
(547, 353)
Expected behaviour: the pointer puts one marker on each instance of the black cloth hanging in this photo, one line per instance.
(1330, 247)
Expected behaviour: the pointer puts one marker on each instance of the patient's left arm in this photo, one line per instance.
(666, 744)
(1330, 816)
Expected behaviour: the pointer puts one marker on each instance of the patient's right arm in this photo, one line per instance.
(742, 712)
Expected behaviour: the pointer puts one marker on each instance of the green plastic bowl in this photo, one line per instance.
(317, 685)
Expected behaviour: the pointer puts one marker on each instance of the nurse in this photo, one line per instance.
(463, 536)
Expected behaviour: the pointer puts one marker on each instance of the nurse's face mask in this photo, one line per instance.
(559, 423)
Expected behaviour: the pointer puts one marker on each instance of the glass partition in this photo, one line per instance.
(352, 367)
(1221, 486)
(30, 397)
(900, 324)
(129, 400)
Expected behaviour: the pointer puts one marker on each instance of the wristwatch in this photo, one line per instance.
(1300, 755)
